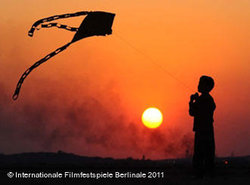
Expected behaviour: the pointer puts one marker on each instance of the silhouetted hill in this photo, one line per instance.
(50, 158)
(64, 159)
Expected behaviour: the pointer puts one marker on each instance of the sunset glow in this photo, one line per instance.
(89, 99)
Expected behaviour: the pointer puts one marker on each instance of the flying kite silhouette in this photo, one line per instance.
(95, 24)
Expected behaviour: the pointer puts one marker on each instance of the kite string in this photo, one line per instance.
(152, 61)
(35, 65)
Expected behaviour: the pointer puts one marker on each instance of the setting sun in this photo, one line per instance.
(152, 117)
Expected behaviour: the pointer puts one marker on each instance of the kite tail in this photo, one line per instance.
(61, 26)
(35, 65)
(55, 17)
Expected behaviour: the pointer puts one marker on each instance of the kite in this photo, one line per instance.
(95, 24)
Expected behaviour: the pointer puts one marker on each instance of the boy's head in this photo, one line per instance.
(206, 84)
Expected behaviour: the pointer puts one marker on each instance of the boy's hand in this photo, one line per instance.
(194, 97)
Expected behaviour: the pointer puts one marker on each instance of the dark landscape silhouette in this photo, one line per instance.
(230, 170)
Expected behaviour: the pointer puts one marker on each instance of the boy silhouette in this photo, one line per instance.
(202, 109)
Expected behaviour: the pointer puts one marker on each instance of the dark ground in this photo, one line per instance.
(230, 170)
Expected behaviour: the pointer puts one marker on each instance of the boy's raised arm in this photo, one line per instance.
(192, 104)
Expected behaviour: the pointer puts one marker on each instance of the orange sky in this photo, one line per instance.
(186, 38)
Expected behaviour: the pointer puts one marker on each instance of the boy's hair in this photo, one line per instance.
(209, 82)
